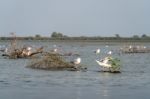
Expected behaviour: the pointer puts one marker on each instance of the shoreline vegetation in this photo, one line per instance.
(57, 36)
(80, 39)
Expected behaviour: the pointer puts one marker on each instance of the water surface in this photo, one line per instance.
(19, 82)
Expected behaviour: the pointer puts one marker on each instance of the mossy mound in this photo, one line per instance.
(53, 61)
(115, 63)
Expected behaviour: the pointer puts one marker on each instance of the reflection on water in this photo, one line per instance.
(17, 81)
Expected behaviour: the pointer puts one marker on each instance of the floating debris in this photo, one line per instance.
(22, 53)
(135, 49)
(14, 51)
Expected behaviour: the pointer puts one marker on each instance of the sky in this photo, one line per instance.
(75, 17)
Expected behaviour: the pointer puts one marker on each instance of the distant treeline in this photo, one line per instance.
(59, 36)
(80, 38)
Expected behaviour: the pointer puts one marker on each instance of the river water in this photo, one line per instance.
(19, 82)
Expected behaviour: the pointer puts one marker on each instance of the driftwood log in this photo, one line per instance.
(22, 53)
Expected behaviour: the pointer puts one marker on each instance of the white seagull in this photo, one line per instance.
(104, 62)
(109, 53)
(97, 51)
(77, 61)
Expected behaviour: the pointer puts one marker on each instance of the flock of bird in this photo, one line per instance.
(75, 61)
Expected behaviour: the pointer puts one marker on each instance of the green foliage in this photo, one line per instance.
(144, 36)
(136, 36)
(38, 36)
(57, 35)
(117, 35)
(115, 62)
(61, 36)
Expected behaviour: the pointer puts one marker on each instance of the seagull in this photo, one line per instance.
(77, 61)
(97, 51)
(144, 47)
(6, 50)
(104, 62)
(3, 48)
(109, 53)
(28, 48)
(106, 46)
(55, 50)
(106, 59)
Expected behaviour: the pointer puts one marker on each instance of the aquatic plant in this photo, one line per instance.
(115, 63)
